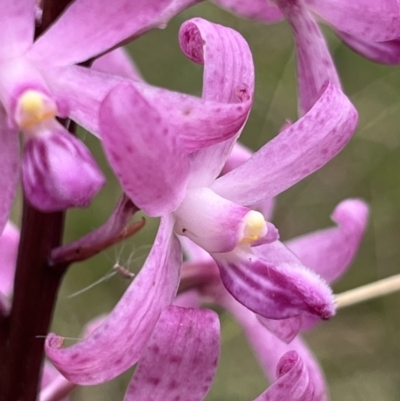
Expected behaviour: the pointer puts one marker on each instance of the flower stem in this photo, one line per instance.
(35, 291)
(369, 291)
(35, 286)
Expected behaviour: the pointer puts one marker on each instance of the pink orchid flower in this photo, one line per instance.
(169, 162)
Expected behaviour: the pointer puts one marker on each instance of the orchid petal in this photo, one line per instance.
(188, 299)
(58, 389)
(54, 386)
(226, 57)
(314, 63)
(228, 78)
(381, 52)
(197, 122)
(285, 329)
(194, 252)
(81, 90)
(180, 359)
(210, 221)
(144, 152)
(117, 343)
(9, 172)
(373, 20)
(58, 170)
(269, 349)
(271, 236)
(9, 240)
(293, 382)
(295, 153)
(239, 155)
(117, 62)
(329, 252)
(17, 27)
(259, 10)
(87, 29)
(273, 283)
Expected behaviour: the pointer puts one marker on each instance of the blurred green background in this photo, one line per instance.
(359, 348)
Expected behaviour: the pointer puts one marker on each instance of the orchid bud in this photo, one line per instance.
(58, 170)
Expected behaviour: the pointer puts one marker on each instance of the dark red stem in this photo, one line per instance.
(35, 287)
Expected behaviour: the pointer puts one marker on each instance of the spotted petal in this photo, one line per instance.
(180, 359)
(144, 151)
(116, 345)
(228, 78)
(296, 152)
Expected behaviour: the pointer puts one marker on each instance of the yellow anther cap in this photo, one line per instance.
(34, 107)
(255, 227)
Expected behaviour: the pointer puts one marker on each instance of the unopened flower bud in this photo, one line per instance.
(58, 171)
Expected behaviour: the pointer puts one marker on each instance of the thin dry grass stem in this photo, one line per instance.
(367, 292)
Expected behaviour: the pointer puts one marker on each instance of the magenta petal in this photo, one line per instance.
(373, 20)
(228, 76)
(116, 345)
(9, 240)
(329, 252)
(228, 64)
(314, 63)
(54, 386)
(180, 359)
(295, 153)
(274, 284)
(293, 382)
(59, 172)
(239, 155)
(210, 221)
(228, 79)
(17, 27)
(143, 150)
(285, 329)
(269, 349)
(87, 29)
(259, 10)
(58, 389)
(9, 171)
(117, 62)
(381, 52)
(80, 91)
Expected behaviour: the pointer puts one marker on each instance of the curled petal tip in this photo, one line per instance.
(286, 363)
(54, 341)
(355, 211)
(191, 42)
